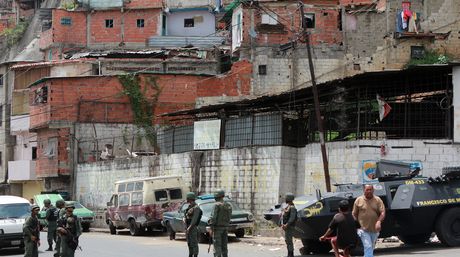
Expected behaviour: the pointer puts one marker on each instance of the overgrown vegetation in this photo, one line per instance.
(69, 5)
(13, 35)
(142, 104)
(430, 57)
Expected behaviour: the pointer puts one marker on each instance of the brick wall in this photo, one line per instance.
(74, 33)
(144, 4)
(58, 164)
(326, 29)
(124, 26)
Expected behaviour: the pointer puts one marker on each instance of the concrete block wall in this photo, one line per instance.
(345, 159)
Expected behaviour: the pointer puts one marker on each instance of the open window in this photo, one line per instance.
(51, 148)
(175, 194)
(41, 95)
(161, 196)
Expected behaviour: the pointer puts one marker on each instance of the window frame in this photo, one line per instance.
(109, 23)
(159, 199)
(175, 189)
(121, 196)
(66, 21)
(190, 21)
(140, 23)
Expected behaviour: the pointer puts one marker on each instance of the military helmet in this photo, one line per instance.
(60, 203)
(191, 196)
(70, 205)
(289, 197)
(219, 193)
(47, 201)
(34, 207)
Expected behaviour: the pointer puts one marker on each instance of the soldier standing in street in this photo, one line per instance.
(31, 231)
(192, 219)
(61, 212)
(51, 218)
(289, 217)
(69, 228)
(220, 219)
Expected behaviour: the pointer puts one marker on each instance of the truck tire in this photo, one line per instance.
(134, 229)
(415, 239)
(314, 247)
(239, 233)
(112, 228)
(85, 227)
(448, 227)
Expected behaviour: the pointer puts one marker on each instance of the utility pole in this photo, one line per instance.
(316, 99)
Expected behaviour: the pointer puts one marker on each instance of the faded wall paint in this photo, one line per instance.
(250, 175)
(204, 24)
(257, 177)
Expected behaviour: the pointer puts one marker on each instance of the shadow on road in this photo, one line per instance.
(402, 250)
(145, 234)
(10, 251)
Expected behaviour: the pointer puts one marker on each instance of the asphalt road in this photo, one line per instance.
(123, 245)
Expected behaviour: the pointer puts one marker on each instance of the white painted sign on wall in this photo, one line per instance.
(206, 135)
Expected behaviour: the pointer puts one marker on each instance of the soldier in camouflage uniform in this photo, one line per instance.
(192, 219)
(31, 231)
(51, 219)
(219, 222)
(289, 217)
(61, 212)
(69, 227)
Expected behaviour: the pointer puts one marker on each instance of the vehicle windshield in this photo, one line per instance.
(19, 210)
(208, 207)
(77, 205)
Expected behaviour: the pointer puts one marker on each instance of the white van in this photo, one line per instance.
(13, 214)
(139, 203)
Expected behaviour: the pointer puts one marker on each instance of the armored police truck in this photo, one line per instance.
(415, 207)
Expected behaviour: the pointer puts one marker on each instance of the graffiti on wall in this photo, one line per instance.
(369, 168)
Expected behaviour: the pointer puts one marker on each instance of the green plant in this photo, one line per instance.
(142, 105)
(13, 35)
(430, 57)
(69, 5)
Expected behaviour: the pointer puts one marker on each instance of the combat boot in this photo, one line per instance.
(290, 254)
(50, 243)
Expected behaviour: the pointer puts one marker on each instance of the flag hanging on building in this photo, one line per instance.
(384, 107)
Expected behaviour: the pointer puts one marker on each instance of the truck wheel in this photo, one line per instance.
(113, 229)
(239, 233)
(415, 239)
(448, 227)
(134, 229)
(85, 227)
(314, 247)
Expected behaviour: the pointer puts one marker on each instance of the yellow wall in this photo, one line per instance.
(31, 188)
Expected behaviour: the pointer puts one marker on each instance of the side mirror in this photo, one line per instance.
(109, 204)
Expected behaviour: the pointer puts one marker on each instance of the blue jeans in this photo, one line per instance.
(368, 239)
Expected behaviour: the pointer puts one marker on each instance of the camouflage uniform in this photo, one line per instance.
(192, 219)
(31, 229)
(220, 220)
(61, 213)
(288, 222)
(51, 218)
(72, 225)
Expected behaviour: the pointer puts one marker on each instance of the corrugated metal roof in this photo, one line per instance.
(175, 42)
